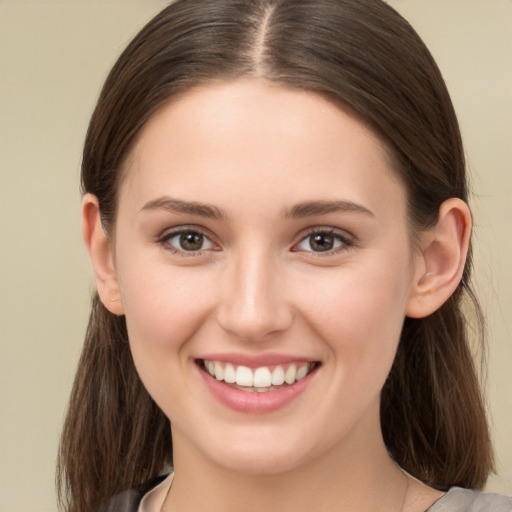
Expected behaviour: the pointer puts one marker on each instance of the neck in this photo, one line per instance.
(358, 476)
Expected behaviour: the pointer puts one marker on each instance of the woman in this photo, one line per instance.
(275, 207)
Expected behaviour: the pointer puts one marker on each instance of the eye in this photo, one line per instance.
(187, 241)
(323, 241)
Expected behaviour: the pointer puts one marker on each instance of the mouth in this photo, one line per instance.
(262, 379)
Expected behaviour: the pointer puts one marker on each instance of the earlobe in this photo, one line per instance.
(442, 258)
(100, 254)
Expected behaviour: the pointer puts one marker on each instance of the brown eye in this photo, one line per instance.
(187, 241)
(323, 241)
(191, 241)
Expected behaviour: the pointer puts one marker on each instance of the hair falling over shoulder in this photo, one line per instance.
(366, 58)
(115, 437)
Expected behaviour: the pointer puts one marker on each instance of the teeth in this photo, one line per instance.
(260, 379)
(278, 376)
(244, 376)
(229, 374)
(302, 372)
(219, 371)
(290, 374)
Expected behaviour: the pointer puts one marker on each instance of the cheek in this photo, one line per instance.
(359, 313)
(164, 307)
(164, 310)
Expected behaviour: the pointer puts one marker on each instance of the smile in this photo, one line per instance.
(261, 379)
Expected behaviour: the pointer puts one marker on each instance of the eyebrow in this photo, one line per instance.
(189, 207)
(313, 208)
(300, 210)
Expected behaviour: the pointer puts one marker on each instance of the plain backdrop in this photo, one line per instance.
(54, 56)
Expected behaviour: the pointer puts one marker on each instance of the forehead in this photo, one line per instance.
(251, 136)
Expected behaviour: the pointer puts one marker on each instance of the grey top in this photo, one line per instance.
(465, 500)
(455, 500)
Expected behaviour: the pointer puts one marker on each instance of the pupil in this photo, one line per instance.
(322, 242)
(191, 241)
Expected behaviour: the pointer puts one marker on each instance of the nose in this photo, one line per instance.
(253, 306)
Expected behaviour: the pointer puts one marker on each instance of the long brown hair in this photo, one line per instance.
(365, 57)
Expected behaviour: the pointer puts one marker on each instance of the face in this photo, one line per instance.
(264, 267)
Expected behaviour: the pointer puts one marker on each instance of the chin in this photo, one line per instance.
(260, 456)
(259, 462)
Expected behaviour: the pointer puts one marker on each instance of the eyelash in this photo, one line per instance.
(165, 239)
(345, 241)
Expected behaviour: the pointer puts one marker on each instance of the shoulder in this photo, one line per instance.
(128, 501)
(465, 500)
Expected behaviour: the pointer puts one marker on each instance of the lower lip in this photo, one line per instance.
(254, 402)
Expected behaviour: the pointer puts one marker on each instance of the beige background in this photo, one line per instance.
(53, 58)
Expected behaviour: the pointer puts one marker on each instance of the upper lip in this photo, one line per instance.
(256, 360)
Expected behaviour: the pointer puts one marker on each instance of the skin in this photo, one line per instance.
(253, 151)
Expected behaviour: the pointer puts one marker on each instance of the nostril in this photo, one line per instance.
(255, 325)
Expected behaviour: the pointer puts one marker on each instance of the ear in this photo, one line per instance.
(100, 253)
(440, 263)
